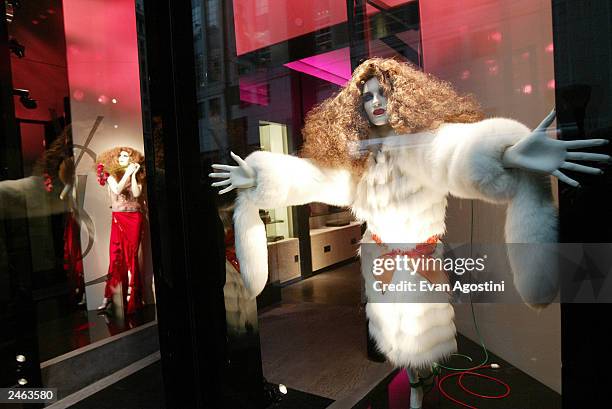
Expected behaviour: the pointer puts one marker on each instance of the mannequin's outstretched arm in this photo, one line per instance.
(489, 159)
(503, 161)
(267, 180)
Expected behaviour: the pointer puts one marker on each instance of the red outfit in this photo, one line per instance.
(126, 231)
(73, 259)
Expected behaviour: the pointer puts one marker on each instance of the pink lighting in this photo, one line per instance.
(282, 20)
(550, 84)
(333, 66)
(465, 74)
(550, 48)
(78, 95)
(527, 89)
(496, 36)
(254, 91)
(257, 26)
(102, 62)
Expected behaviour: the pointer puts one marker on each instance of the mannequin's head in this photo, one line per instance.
(374, 102)
(115, 161)
(123, 159)
(413, 101)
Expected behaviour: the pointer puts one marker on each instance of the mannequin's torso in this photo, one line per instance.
(124, 200)
(400, 207)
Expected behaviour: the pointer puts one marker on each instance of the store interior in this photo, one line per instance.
(70, 105)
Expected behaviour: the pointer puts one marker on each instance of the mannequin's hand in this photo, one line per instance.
(131, 168)
(136, 168)
(242, 176)
(539, 153)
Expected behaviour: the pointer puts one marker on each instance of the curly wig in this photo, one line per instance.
(109, 159)
(416, 101)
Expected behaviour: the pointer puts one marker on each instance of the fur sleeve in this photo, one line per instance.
(285, 180)
(281, 180)
(466, 160)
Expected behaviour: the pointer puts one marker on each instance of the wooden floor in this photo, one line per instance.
(315, 340)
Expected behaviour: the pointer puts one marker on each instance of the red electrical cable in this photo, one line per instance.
(460, 383)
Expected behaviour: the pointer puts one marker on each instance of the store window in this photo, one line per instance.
(267, 65)
(74, 181)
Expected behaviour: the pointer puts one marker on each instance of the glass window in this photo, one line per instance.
(77, 183)
(268, 64)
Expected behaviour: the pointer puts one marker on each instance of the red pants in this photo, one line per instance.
(126, 231)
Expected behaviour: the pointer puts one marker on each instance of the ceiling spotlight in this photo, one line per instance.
(10, 7)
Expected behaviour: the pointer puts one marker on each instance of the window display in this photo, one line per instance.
(402, 196)
(392, 144)
(122, 170)
(71, 91)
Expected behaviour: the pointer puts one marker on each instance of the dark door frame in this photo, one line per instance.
(583, 100)
(188, 239)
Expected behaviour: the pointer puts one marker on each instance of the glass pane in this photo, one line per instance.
(78, 105)
(263, 68)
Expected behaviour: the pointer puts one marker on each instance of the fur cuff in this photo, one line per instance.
(531, 230)
(272, 185)
(251, 246)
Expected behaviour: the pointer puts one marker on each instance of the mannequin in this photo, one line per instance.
(121, 168)
(392, 145)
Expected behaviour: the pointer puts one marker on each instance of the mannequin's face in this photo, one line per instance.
(375, 102)
(124, 158)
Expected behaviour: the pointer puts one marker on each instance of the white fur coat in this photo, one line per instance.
(402, 197)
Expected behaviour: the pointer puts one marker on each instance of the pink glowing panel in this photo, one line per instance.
(333, 66)
(259, 24)
(262, 23)
(102, 53)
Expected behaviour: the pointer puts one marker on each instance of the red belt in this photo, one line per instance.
(421, 249)
(425, 249)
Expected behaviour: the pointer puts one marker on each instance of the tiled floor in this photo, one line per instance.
(315, 340)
